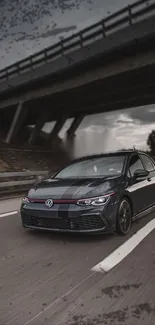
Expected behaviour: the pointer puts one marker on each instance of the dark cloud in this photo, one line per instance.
(145, 114)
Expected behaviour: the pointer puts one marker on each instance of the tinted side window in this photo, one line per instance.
(148, 165)
(135, 163)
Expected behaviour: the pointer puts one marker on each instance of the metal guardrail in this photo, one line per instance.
(127, 16)
(12, 184)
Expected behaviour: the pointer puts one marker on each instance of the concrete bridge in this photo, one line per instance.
(108, 66)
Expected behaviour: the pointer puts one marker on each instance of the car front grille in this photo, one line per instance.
(87, 223)
(53, 223)
(78, 223)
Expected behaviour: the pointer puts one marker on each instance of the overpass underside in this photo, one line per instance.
(115, 71)
(124, 90)
(123, 79)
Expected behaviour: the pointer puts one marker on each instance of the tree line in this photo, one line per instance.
(151, 143)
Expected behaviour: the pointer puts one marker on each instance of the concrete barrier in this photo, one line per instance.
(10, 182)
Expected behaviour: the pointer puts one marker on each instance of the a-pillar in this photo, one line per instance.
(17, 123)
(42, 119)
(57, 128)
(74, 126)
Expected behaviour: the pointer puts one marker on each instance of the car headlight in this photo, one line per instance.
(25, 200)
(98, 201)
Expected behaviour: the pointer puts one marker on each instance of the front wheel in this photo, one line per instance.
(124, 217)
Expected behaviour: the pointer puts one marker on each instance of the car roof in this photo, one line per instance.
(123, 152)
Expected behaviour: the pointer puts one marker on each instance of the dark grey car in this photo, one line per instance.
(94, 194)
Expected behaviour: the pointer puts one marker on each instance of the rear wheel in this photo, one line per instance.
(124, 217)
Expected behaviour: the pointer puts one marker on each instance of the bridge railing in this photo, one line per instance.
(127, 16)
(18, 182)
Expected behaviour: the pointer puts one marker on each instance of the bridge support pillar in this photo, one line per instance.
(37, 129)
(74, 126)
(57, 127)
(17, 122)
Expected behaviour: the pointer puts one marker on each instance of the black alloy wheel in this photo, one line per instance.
(124, 217)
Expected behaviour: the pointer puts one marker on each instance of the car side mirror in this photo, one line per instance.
(140, 173)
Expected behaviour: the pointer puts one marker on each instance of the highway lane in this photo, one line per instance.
(46, 278)
(10, 205)
(124, 296)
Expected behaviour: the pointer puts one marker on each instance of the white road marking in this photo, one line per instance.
(121, 252)
(3, 215)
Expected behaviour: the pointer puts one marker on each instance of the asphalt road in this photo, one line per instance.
(47, 279)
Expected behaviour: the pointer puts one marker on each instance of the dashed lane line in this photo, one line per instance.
(3, 215)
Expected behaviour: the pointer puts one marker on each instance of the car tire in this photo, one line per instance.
(124, 217)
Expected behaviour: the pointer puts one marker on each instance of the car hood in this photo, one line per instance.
(73, 188)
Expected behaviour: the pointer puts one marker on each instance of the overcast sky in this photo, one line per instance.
(27, 26)
(112, 131)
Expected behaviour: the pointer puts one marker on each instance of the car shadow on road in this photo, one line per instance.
(70, 237)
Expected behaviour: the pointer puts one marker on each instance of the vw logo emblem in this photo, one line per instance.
(49, 203)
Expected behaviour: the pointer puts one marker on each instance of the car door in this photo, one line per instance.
(150, 167)
(137, 187)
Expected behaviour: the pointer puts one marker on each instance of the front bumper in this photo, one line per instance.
(71, 218)
(84, 224)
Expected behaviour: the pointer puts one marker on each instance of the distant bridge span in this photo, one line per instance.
(114, 72)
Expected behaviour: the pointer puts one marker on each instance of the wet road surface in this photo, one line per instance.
(46, 278)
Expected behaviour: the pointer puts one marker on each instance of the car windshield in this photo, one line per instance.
(94, 167)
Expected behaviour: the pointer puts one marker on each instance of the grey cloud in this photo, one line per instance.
(45, 21)
(143, 114)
